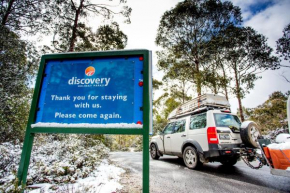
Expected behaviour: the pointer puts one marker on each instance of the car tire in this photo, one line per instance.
(229, 162)
(154, 151)
(191, 158)
(249, 134)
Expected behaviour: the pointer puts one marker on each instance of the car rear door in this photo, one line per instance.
(197, 130)
(228, 128)
(178, 137)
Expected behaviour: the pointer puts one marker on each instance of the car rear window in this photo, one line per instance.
(198, 121)
(226, 120)
(179, 126)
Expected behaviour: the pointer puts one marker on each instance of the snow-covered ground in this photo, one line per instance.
(61, 163)
(104, 179)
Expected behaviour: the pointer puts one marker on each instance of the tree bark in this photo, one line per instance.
(8, 11)
(183, 92)
(198, 80)
(215, 90)
(225, 86)
(238, 94)
(74, 32)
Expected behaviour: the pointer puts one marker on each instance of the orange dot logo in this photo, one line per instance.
(90, 71)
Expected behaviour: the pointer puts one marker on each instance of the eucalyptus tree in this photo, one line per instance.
(283, 49)
(271, 114)
(217, 77)
(70, 20)
(18, 63)
(107, 37)
(176, 79)
(247, 54)
(29, 16)
(185, 32)
(173, 95)
(283, 45)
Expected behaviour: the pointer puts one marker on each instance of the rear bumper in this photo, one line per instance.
(233, 152)
(222, 151)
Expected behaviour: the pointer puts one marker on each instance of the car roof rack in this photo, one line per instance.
(199, 104)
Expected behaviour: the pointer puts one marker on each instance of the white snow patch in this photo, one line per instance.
(104, 179)
(87, 125)
(40, 188)
(280, 146)
(282, 137)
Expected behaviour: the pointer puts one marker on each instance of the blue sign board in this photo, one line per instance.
(95, 91)
(107, 92)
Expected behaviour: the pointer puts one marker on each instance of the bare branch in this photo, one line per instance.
(287, 80)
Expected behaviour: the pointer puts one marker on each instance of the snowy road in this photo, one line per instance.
(169, 174)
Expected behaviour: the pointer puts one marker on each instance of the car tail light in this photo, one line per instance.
(212, 135)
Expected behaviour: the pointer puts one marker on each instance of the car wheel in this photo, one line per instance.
(229, 162)
(153, 152)
(190, 158)
(250, 134)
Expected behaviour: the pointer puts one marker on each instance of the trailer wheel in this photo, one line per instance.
(250, 132)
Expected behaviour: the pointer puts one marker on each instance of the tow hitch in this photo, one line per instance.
(249, 155)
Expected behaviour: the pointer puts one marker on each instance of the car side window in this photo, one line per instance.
(198, 121)
(169, 128)
(179, 126)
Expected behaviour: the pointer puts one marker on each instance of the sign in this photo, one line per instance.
(94, 91)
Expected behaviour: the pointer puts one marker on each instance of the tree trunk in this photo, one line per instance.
(215, 90)
(183, 91)
(198, 78)
(7, 12)
(183, 95)
(225, 86)
(75, 26)
(198, 81)
(238, 94)
(241, 109)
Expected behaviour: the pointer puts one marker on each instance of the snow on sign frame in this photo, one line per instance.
(107, 92)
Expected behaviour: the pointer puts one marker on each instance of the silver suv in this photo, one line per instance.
(204, 135)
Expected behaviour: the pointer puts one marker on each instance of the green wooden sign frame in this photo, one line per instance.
(147, 111)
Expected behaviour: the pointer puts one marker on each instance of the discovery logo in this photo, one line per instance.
(89, 81)
(90, 71)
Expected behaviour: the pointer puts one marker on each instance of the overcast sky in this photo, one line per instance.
(268, 17)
